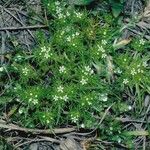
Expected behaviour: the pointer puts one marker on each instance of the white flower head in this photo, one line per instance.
(47, 55)
(125, 81)
(101, 49)
(1, 69)
(25, 71)
(47, 121)
(104, 55)
(82, 125)
(60, 89)
(133, 72)
(83, 81)
(104, 97)
(68, 38)
(20, 111)
(43, 49)
(142, 41)
(57, 3)
(77, 33)
(79, 15)
(60, 16)
(104, 42)
(145, 64)
(56, 98)
(74, 117)
(129, 107)
(62, 69)
(35, 101)
(88, 70)
(65, 98)
(68, 14)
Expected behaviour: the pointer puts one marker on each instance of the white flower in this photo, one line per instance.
(60, 89)
(25, 71)
(60, 16)
(68, 14)
(129, 107)
(47, 55)
(88, 70)
(62, 69)
(89, 103)
(119, 140)
(74, 118)
(100, 48)
(30, 99)
(104, 55)
(65, 98)
(83, 81)
(125, 59)
(125, 81)
(142, 42)
(56, 98)
(145, 64)
(1, 69)
(104, 32)
(47, 121)
(57, 3)
(82, 125)
(35, 101)
(58, 11)
(133, 72)
(69, 39)
(105, 98)
(77, 33)
(43, 49)
(20, 111)
(62, 33)
(104, 42)
(79, 15)
(118, 71)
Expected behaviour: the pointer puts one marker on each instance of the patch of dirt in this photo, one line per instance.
(19, 21)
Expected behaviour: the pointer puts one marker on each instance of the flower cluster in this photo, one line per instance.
(70, 38)
(60, 11)
(86, 100)
(75, 116)
(47, 117)
(85, 75)
(136, 70)
(60, 94)
(46, 52)
(33, 99)
(101, 51)
(25, 71)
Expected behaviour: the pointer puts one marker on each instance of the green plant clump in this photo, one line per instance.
(74, 75)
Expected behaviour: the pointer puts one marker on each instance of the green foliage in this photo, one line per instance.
(73, 76)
